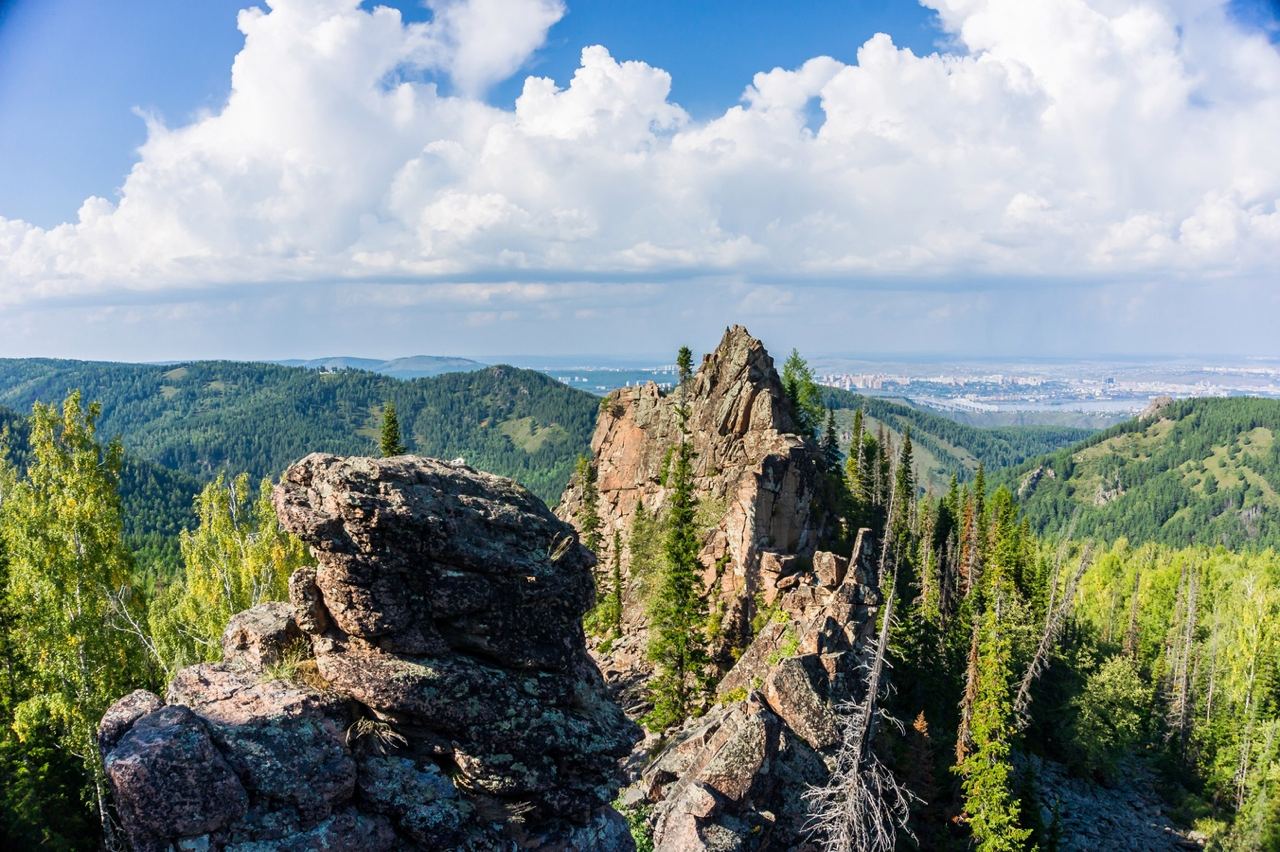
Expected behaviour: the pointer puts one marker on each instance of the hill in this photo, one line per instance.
(412, 367)
(1198, 471)
(945, 447)
(156, 501)
(206, 416)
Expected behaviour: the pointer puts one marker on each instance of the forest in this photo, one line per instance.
(1198, 471)
(1015, 643)
(209, 416)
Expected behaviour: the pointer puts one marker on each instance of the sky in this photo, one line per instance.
(479, 177)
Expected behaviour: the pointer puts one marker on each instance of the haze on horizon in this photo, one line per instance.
(320, 177)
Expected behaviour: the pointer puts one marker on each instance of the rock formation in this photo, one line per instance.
(735, 778)
(427, 686)
(758, 483)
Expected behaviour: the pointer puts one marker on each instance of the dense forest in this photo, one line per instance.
(205, 417)
(1198, 471)
(945, 447)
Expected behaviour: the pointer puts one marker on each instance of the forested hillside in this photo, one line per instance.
(945, 447)
(1198, 471)
(156, 501)
(207, 416)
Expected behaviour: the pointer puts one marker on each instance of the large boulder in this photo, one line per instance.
(427, 686)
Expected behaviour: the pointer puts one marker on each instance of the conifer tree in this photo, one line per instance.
(802, 393)
(589, 522)
(830, 444)
(391, 443)
(677, 616)
(615, 588)
(991, 807)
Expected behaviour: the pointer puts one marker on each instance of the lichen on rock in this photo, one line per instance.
(427, 687)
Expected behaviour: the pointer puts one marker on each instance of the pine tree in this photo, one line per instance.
(830, 444)
(684, 364)
(615, 589)
(589, 522)
(69, 584)
(391, 443)
(991, 808)
(677, 613)
(802, 393)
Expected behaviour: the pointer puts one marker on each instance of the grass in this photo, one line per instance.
(528, 435)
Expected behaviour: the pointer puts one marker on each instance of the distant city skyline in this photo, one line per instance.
(293, 178)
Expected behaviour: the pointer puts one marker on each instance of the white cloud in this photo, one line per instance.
(1099, 139)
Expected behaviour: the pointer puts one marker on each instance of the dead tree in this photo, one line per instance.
(1055, 620)
(863, 806)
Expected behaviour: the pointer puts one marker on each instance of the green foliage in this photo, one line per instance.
(589, 515)
(238, 557)
(1205, 471)
(803, 393)
(1111, 713)
(677, 612)
(992, 810)
(390, 443)
(207, 416)
(70, 610)
(637, 818)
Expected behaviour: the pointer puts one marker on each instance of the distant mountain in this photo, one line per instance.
(412, 367)
(944, 447)
(1197, 471)
(206, 416)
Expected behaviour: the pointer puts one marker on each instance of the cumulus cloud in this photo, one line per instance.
(1097, 139)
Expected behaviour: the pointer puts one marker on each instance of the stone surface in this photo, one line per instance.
(758, 485)
(261, 636)
(735, 778)
(426, 687)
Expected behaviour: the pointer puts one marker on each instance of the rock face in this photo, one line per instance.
(428, 686)
(758, 484)
(735, 778)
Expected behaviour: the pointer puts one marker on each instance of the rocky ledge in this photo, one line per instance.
(426, 687)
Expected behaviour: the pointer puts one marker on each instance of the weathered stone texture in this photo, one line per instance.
(427, 686)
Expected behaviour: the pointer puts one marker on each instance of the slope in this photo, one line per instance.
(1198, 471)
(945, 447)
(205, 416)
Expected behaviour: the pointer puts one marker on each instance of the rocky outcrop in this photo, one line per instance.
(758, 483)
(735, 778)
(427, 687)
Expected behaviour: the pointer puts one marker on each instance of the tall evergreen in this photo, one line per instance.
(589, 522)
(390, 442)
(830, 443)
(990, 805)
(802, 393)
(677, 613)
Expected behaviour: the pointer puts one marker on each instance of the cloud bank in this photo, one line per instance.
(1094, 140)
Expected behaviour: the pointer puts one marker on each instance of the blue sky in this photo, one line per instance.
(73, 73)
(988, 177)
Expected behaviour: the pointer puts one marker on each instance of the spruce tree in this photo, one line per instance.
(589, 522)
(390, 442)
(802, 393)
(830, 444)
(990, 806)
(677, 613)
(615, 589)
